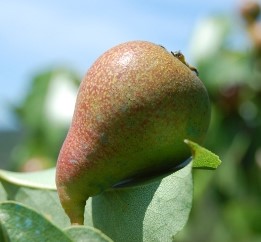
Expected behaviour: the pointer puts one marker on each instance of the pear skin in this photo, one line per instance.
(135, 106)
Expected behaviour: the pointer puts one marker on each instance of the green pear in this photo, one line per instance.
(135, 106)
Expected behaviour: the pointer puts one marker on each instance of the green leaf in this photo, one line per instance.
(40, 179)
(85, 233)
(35, 189)
(202, 158)
(42, 200)
(26, 189)
(152, 212)
(24, 224)
(3, 195)
(3, 234)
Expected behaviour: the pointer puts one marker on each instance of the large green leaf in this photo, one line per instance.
(44, 201)
(84, 233)
(23, 224)
(34, 189)
(34, 195)
(151, 212)
(41, 179)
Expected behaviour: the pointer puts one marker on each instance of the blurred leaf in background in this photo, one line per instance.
(227, 204)
(44, 117)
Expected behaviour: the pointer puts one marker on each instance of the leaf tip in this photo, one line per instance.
(202, 158)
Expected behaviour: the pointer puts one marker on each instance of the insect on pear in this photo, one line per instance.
(181, 57)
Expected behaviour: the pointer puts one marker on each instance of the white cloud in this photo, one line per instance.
(60, 100)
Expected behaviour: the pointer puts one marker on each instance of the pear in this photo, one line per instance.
(135, 106)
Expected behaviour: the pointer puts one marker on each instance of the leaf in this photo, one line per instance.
(202, 158)
(15, 186)
(39, 179)
(42, 200)
(85, 233)
(34, 189)
(3, 195)
(24, 224)
(152, 212)
(3, 234)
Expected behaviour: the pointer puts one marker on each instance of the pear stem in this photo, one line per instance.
(76, 212)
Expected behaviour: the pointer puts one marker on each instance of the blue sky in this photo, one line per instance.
(35, 35)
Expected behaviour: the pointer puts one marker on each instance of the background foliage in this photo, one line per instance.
(227, 203)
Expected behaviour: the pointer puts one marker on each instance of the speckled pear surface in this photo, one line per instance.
(135, 106)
